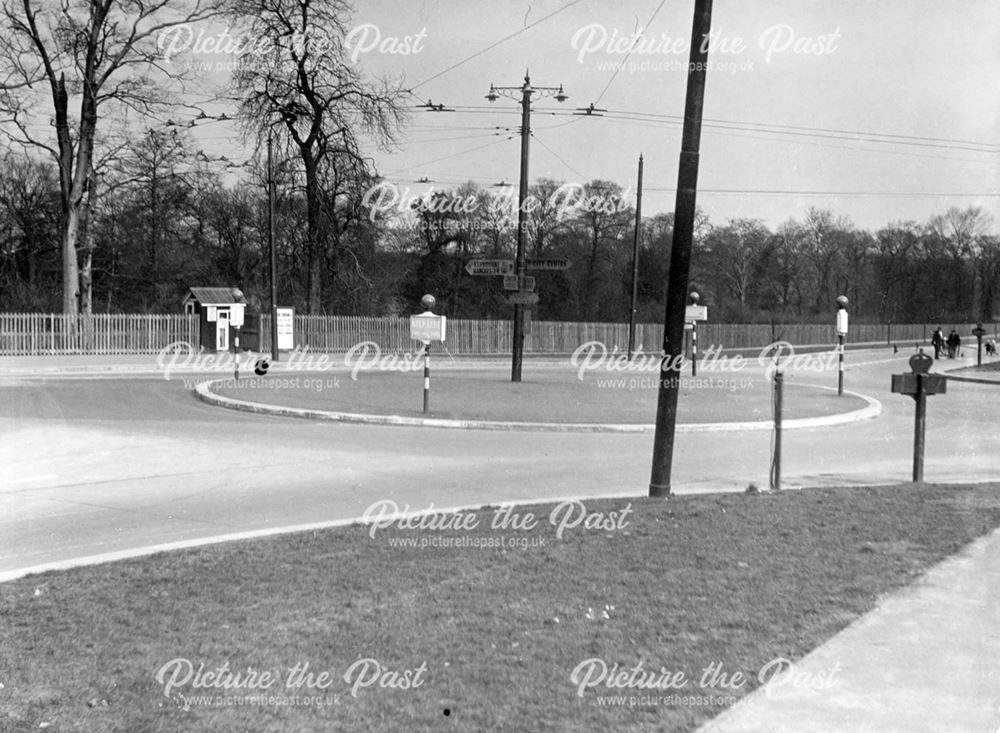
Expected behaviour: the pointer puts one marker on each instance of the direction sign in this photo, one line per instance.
(547, 263)
(695, 313)
(522, 297)
(490, 267)
(527, 282)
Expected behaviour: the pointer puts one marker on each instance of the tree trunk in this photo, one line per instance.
(314, 242)
(71, 271)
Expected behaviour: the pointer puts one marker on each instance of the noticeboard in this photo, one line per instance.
(285, 325)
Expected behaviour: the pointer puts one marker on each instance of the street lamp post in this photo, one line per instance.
(525, 91)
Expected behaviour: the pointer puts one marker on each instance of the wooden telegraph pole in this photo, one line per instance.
(680, 254)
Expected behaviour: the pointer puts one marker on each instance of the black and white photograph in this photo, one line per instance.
(528, 365)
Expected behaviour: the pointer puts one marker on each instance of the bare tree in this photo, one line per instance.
(735, 251)
(305, 84)
(86, 54)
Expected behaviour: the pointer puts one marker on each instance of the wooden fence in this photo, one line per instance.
(104, 333)
(31, 334)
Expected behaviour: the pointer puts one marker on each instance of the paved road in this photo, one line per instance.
(93, 466)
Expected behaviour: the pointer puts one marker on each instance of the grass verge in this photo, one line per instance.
(544, 396)
(465, 637)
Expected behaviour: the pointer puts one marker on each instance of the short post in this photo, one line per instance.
(427, 327)
(236, 321)
(694, 297)
(694, 348)
(979, 332)
(779, 380)
(427, 377)
(840, 364)
(841, 334)
(918, 384)
(918, 429)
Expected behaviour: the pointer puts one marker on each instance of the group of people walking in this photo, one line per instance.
(953, 343)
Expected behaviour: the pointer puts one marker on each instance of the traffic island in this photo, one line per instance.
(556, 400)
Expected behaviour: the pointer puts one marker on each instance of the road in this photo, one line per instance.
(106, 465)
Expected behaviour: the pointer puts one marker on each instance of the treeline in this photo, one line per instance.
(165, 219)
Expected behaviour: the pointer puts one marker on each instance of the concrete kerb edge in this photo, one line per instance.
(256, 534)
(203, 390)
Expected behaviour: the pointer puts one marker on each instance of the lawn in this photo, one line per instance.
(545, 395)
(441, 628)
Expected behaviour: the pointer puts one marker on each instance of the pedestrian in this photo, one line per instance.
(937, 341)
(991, 347)
(954, 344)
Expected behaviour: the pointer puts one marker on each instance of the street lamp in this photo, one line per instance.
(841, 334)
(525, 91)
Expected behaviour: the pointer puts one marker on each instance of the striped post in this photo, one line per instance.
(427, 377)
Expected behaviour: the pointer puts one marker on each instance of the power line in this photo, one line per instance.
(558, 157)
(630, 51)
(494, 45)
(455, 155)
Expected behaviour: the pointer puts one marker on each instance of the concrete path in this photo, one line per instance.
(927, 660)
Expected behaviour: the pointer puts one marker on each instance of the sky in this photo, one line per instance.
(881, 111)
(804, 97)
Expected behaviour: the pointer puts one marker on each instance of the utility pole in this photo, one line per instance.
(270, 241)
(680, 254)
(635, 262)
(526, 91)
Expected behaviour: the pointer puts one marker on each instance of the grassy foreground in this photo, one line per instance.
(444, 629)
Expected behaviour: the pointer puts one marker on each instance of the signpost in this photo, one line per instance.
(692, 314)
(547, 263)
(979, 332)
(486, 268)
(918, 385)
(841, 334)
(522, 297)
(427, 327)
(513, 282)
(521, 293)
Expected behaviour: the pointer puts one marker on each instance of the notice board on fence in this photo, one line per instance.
(285, 325)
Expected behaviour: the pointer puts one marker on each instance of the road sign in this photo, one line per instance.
(490, 267)
(427, 327)
(979, 332)
(527, 282)
(547, 263)
(842, 321)
(907, 384)
(522, 297)
(695, 313)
